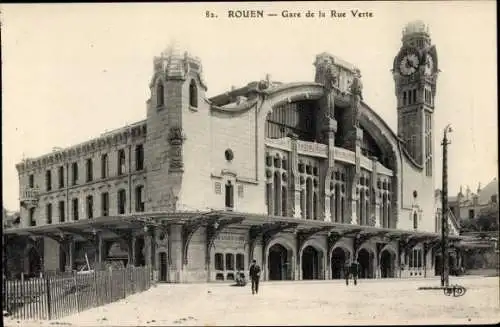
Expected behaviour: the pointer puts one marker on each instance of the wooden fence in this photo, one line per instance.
(53, 297)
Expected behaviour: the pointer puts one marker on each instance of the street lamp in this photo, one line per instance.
(444, 209)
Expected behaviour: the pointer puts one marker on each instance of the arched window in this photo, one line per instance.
(160, 95)
(277, 194)
(333, 213)
(315, 205)
(284, 203)
(229, 195)
(302, 203)
(139, 198)
(384, 211)
(342, 203)
(337, 202)
(367, 212)
(269, 198)
(308, 198)
(193, 94)
(361, 207)
(122, 198)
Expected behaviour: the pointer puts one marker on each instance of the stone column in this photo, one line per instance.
(70, 254)
(175, 245)
(100, 255)
(328, 198)
(132, 253)
(294, 178)
(147, 248)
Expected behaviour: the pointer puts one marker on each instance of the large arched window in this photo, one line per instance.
(193, 94)
(309, 199)
(160, 94)
(277, 195)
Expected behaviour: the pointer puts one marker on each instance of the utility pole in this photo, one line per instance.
(444, 210)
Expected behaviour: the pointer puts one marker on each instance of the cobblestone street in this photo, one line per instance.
(372, 302)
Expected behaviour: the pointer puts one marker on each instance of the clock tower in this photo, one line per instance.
(415, 74)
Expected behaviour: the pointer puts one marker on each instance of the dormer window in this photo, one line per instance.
(160, 95)
(193, 94)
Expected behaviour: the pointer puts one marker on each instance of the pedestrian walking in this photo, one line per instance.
(355, 271)
(255, 276)
(347, 272)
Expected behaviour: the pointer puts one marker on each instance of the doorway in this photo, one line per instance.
(278, 262)
(339, 260)
(311, 263)
(387, 260)
(163, 267)
(365, 263)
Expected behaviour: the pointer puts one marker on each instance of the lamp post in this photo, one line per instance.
(444, 209)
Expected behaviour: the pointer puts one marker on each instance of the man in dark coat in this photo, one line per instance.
(355, 271)
(347, 272)
(255, 276)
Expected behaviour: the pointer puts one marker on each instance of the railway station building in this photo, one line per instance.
(301, 176)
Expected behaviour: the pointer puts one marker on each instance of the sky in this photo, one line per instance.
(73, 71)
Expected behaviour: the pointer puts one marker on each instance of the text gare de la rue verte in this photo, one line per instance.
(299, 14)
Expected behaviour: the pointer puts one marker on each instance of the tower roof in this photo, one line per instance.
(415, 27)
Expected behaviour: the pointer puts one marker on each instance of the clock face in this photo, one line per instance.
(429, 64)
(409, 64)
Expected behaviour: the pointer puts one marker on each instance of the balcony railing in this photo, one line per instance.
(30, 196)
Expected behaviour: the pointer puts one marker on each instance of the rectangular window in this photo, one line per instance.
(105, 204)
(32, 217)
(74, 171)
(471, 213)
(121, 202)
(62, 212)
(139, 202)
(75, 209)
(229, 195)
(89, 168)
(414, 100)
(404, 98)
(104, 166)
(31, 181)
(139, 157)
(240, 262)
(61, 176)
(121, 162)
(219, 261)
(90, 207)
(49, 213)
(229, 261)
(48, 180)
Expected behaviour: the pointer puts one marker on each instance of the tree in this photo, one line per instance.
(488, 219)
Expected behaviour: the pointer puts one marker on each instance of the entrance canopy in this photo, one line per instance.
(120, 226)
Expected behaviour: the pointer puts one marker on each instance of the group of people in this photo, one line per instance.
(351, 270)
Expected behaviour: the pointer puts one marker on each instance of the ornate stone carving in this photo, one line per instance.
(265, 83)
(176, 138)
(356, 90)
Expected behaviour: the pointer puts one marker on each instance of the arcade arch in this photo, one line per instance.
(365, 260)
(339, 258)
(279, 261)
(388, 263)
(312, 262)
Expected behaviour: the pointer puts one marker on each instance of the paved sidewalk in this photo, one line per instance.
(372, 302)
